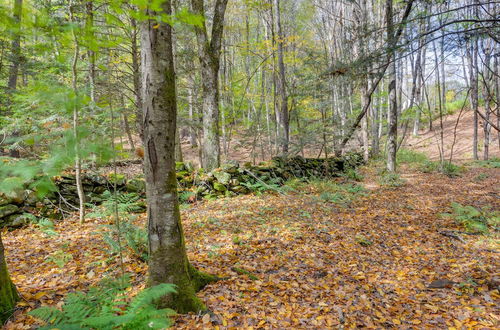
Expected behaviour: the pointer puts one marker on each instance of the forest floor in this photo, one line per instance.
(319, 257)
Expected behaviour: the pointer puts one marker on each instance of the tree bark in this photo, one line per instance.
(15, 47)
(168, 261)
(76, 126)
(136, 73)
(391, 72)
(90, 52)
(8, 292)
(209, 56)
(282, 116)
(15, 63)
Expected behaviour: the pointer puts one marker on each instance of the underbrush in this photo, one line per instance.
(107, 306)
(421, 162)
(474, 219)
(328, 191)
(490, 163)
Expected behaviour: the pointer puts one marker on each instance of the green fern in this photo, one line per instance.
(134, 237)
(473, 219)
(106, 307)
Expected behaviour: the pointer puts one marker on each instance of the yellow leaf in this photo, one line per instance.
(40, 294)
(416, 321)
(396, 321)
(156, 26)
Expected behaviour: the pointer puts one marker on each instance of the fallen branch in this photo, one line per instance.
(452, 235)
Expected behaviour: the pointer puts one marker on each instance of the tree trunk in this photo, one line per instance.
(282, 109)
(136, 77)
(16, 47)
(192, 120)
(16, 62)
(209, 55)
(90, 51)
(487, 91)
(168, 261)
(76, 127)
(391, 72)
(8, 293)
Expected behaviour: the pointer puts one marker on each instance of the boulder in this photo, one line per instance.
(19, 220)
(8, 210)
(222, 177)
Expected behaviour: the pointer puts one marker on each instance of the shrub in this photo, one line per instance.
(133, 238)
(491, 163)
(451, 170)
(352, 174)
(391, 180)
(473, 219)
(410, 156)
(107, 307)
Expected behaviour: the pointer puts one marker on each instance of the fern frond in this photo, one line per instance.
(150, 295)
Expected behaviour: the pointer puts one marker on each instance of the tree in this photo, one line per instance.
(392, 137)
(16, 59)
(168, 261)
(8, 293)
(209, 50)
(76, 118)
(282, 109)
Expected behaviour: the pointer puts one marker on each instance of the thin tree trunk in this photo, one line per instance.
(15, 47)
(282, 109)
(14, 67)
(393, 108)
(136, 74)
(192, 128)
(487, 90)
(76, 127)
(90, 52)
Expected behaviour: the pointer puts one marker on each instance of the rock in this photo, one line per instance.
(8, 210)
(4, 200)
(441, 284)
(219, 187)
(222, 177)
(19, 220)
(31, 197)
(119, 179)
(137, 185)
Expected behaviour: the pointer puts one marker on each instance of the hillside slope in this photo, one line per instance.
(428, 141)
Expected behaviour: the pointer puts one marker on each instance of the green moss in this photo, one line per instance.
(8, 293)
(199, 278)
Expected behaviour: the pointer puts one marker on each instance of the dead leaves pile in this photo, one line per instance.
(295, 261)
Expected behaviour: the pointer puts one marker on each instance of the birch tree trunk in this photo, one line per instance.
(16, 62)
(393, 108)
(76, 118)
(168, 261)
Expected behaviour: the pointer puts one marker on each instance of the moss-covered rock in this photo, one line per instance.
(8, 210)
(219, 187)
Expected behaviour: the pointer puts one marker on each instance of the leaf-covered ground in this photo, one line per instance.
(364, 262)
